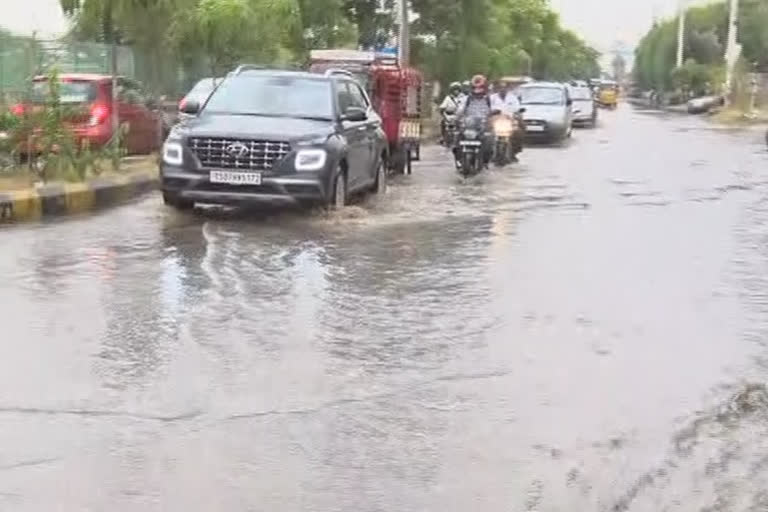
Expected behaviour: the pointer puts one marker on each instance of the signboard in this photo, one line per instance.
(391, 51)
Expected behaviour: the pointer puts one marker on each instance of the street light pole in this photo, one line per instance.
(681, 33)
(732, 49)
(403, 47)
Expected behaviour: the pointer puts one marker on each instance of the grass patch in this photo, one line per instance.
(736, 116)
(20, 177)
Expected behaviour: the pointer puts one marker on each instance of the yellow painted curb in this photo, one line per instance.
(21, 205)
(79, 197)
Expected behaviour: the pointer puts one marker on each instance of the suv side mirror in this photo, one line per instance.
(355, 114)
(569, 102)
(190, 107)
(522, 110)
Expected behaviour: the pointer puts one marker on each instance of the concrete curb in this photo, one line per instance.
(68, 198)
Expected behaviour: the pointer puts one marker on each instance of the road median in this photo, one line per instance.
(137, 177)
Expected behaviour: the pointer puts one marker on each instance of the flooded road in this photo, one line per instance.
(584, 331)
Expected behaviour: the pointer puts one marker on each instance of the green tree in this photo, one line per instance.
(139, 23)
(229, 32)
(706, 33)
(498, 37)
(325, 25)
(373, 25)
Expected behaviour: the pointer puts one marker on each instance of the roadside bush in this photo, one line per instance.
(43, 138)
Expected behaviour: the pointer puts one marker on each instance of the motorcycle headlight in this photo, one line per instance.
(310, 159)
(470, 134)
(503, 126)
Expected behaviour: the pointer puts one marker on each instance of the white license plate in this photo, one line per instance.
(534, 128)
(470, 143)
(236, 178)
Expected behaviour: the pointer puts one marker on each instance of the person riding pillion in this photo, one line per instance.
(450, 106)
(452, 100)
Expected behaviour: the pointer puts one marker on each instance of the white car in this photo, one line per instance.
(548, 110)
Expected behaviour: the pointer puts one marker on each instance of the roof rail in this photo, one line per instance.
(335, 71)
(248, 67)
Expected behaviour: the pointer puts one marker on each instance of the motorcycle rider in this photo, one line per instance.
(450, 106)
(507, 102)
(478, 105)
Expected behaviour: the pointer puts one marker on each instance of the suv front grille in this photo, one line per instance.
(253, 155)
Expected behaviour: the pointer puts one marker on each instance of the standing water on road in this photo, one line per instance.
(583, 331)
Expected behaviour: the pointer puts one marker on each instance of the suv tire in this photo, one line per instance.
(340, 197)
(380, 185)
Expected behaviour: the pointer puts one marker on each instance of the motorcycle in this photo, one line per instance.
(469, 150)
(503, 147)
(449, 129)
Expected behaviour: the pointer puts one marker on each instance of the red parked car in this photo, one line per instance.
(91, 95)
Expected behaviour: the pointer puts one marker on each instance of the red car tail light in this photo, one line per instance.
(182, 104)
(99, 114)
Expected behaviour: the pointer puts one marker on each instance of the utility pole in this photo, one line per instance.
(732, 49)
(403, 46)
(681, 34)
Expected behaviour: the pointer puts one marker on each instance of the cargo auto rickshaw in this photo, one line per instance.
(395, 92)
(608, 94)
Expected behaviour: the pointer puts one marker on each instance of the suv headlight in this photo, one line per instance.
(173, 153)
(310, 159)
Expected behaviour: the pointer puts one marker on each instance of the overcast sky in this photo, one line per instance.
(601, 22)
(27, 16)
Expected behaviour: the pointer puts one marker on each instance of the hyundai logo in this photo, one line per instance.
(237, 150)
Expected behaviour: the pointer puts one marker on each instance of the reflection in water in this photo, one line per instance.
(406, 296)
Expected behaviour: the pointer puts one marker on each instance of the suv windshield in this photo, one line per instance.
(279, 96)
(69, 92)
(541, 96)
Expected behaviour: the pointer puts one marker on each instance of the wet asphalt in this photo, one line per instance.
(583, 331)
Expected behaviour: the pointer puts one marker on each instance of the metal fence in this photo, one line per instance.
(21, 58)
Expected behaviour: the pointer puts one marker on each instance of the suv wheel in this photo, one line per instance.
(174, 201)
(340, 196)
(380, 186)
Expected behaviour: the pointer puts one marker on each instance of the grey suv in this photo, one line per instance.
(268, 136)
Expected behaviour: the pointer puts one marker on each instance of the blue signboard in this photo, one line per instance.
(392, 50)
